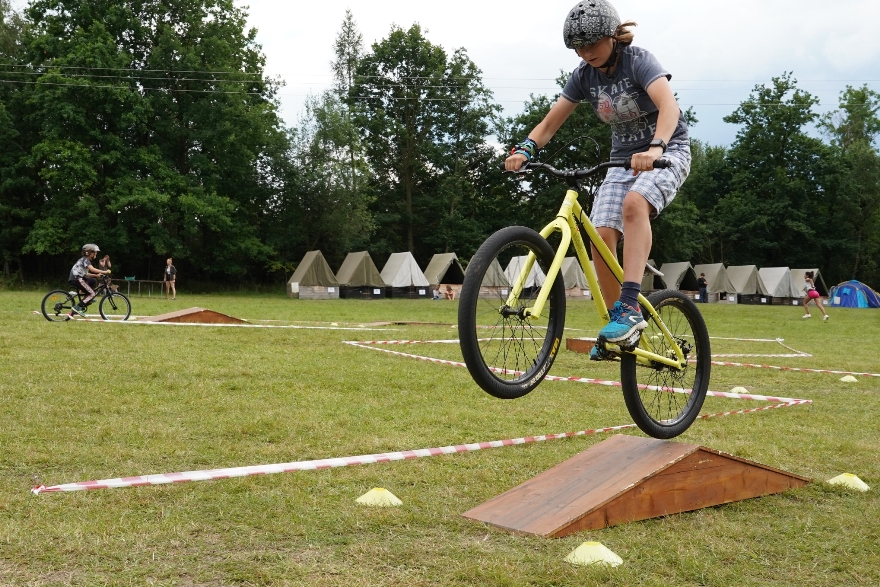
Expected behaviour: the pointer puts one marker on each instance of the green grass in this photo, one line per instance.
(88, 401)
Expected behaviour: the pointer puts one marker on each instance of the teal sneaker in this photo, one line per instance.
(626, 322)
(79, 311)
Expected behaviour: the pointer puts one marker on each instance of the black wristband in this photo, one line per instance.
(658, 143)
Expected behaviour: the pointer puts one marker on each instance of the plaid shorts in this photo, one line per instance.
(658, 187)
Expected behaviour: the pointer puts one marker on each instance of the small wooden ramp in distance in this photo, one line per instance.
(579, 345)
(194, 315)
(625, 479)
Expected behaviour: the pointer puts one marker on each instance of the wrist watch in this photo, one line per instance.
(658, 143)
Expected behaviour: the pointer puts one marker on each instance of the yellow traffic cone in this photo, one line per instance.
(379, 497)
(591, 553)
(849, 480)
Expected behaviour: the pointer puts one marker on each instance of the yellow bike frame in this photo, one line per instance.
(565, 224)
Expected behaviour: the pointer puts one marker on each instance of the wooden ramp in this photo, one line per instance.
(625, 479)
(194, 315)
(579, 345)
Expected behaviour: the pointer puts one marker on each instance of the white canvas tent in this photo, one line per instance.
(535, 278)
(746, 280)
(679, 276)
(778, 282)
(404, 278)
(651, 282)
(444, 268)
(494, 284)
(573, 278)
(572, 274)
(718, 283)
(797, 276)
(313, 279)
(359, 278)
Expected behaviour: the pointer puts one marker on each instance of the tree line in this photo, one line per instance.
(152, 129)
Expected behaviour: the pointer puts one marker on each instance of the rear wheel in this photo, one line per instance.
(664, 401)
(115, 306)
(57, 305)
(507, 352)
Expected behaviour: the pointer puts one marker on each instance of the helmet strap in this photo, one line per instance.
(612, 59)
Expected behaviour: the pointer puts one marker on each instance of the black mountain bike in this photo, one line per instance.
(58, 304)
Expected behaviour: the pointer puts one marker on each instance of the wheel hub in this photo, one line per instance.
(508, 312)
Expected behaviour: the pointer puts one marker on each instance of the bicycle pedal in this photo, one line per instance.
(630, 343)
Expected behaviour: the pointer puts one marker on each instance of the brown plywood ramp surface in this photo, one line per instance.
(579, 345)
(196, 316)
(625, 479)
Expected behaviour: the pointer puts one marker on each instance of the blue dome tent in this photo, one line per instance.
(854, 294)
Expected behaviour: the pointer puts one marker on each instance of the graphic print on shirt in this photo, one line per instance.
(622, 112)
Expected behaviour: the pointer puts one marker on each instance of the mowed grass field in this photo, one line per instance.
(84, 400)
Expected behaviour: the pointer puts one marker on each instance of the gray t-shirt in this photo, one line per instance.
(622, 101)
(80, 269)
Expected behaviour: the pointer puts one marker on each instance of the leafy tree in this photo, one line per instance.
(424, 116)
(155, 133)
(856, 121)
(776, 177)
(852, 213)
(327, 208)
(327, 204)
(16, 208)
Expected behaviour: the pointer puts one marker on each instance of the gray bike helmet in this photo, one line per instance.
(91, 247)
(590, 21)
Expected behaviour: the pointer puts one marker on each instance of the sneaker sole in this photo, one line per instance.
(640, 326)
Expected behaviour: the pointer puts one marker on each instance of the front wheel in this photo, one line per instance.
(508, 352)
(115, 306)
(57, 305)
(664, 401)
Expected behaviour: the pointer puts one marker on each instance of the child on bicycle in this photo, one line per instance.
(79, 277)
(629, 89)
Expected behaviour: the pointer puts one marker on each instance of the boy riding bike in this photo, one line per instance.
(629, 90)
(79, 277)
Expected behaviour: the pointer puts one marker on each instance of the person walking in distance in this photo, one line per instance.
(812, 294)
(170, 278)
(628, 89)
(704, 288)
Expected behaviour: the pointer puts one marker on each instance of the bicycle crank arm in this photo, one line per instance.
(646, 356)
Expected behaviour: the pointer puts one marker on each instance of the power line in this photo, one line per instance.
(105, 87)
(402, 77)
(392, 98)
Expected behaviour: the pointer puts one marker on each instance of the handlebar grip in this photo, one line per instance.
(658, 164)
(520, 170)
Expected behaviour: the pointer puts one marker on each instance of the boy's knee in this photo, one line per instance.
(636, 207)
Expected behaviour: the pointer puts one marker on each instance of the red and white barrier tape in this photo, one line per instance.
(801, 369)
(249, 471)
(289, 327)
(211, 474)
(724, 394)
(246, 471)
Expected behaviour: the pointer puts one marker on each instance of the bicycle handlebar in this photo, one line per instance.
(581, 173)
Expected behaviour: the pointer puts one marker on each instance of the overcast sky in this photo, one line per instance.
(716, 51)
